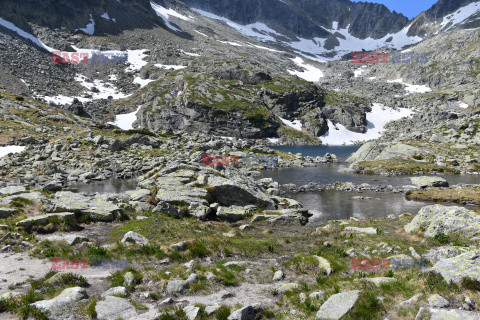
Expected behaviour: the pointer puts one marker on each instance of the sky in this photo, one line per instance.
(409, 8)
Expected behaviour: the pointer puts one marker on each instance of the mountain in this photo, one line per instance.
(446, 15)
(225, 67)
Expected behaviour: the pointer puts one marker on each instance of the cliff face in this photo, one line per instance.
(309, 18)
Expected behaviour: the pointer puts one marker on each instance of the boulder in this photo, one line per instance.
(437, 301)
(362, 230)
(113, 308)
(338, 305)
(424, 182)
(439, 219)
(44, 219)
(117, 291)
(62, 306)
(177, 286)
(132, 237)
(245, 313)
(459, 267)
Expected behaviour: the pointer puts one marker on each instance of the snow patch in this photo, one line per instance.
(90, 28)
(142, 82)
(256, 30)
(190, 54)
(273, 140)
(310, 73)
(23, 34)
(10, 149)
(106, 17)
(125, 121)
(165, 14)
(412, 88)
(460, 15)
(168, 66)
(296, 124)
(358, 72)
(376, 121)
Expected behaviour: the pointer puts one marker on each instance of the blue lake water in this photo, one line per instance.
(332, 205)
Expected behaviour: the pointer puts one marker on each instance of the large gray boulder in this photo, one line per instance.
(245, 313)
(113, 308)
(338, 305)
(133, 237)
(63, 305)
(462, 266)
(44, 219)
(229, 192)
(424, 182)
(177, 286)
(438, 219)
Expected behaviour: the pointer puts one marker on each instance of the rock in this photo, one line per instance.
(113, 308)
(278, 275)
(338, 305)
(414, 253)
(209, 310)
(7, 212)
(438, 219)
(288, 287)
(468, 304)
(228, 192)
(191, 312)
(71, 239)
(177, 286)
(42, 220)
(378, 281)
(424, 182)
(302, 297)
(459, 267)
(231, 214)
(193, 278)
(324, 265)
(117, 291)
(442, 314)
(362, 230)
(245, 313)
(441, 253)
(402, 261)
(437, 301)
(62, 306)
(138, 195)
(12, 190)
(132, 237)
(129, 279)
(316, 295)
(413, 299)
(423, 314)
(181, 246)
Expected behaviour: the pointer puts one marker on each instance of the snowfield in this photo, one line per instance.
(459, 16)
(412, 88)
(90, 28)
(23, 34)
(376, 121)
(10, 149)
(295, 124)
(125, 121)
(165, 14)
(169, 66)
(311, 73)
